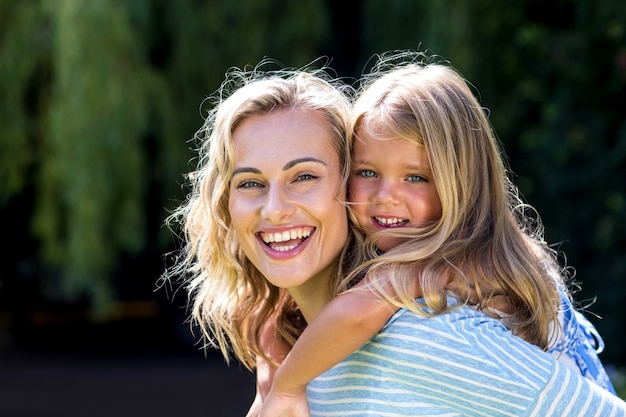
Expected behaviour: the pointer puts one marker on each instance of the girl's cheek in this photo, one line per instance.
(356, 191)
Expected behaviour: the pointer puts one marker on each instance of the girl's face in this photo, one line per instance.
(286, 198)
(391, 185)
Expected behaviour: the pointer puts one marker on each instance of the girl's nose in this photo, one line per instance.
(277, 207)
(386, 194)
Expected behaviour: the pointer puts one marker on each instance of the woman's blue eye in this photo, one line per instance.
(306, 177)
(249, 184)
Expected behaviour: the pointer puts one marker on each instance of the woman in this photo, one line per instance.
(265, 224)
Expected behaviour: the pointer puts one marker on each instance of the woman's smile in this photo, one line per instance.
(287, 240)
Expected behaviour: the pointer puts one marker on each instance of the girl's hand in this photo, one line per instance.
(278, 404)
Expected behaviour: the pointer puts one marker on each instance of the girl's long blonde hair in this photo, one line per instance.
(231, 301)
(487, 243)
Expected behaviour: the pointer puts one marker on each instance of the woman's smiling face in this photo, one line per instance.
(286, 197)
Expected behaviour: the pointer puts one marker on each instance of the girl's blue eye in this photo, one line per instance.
(415, 178)
(367, 173)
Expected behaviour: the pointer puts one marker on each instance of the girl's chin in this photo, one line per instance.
(388, 243)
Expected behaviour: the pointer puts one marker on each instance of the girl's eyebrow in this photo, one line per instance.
(418, 167)
(288, 165)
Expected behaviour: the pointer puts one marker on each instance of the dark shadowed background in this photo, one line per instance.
(100, 99)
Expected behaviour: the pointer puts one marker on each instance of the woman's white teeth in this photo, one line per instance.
(284, 248)
(286, 235)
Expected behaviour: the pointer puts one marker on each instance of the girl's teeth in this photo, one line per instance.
(388, 221)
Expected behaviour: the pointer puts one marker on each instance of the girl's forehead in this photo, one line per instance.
(384, 128)
(373, 127)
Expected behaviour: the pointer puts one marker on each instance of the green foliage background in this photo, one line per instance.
(99, 99)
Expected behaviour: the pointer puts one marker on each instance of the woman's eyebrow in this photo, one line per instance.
(246, 169)
(290, 164)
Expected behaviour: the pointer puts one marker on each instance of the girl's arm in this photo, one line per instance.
(276, 350)
(344, 325)
(264, 376)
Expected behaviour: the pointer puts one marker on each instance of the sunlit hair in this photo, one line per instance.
(488, 245)
(231, 299)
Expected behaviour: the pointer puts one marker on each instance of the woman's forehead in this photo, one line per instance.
(282, 136)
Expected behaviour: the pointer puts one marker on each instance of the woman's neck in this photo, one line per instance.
(312, 296)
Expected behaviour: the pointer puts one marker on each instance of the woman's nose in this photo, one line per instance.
(277, 206)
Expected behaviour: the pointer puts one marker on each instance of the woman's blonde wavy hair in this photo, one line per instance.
(231, 301)
(487, 243)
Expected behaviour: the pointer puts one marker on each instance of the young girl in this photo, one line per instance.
(430, 189)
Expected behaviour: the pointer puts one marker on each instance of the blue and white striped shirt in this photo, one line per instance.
(461, 363)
